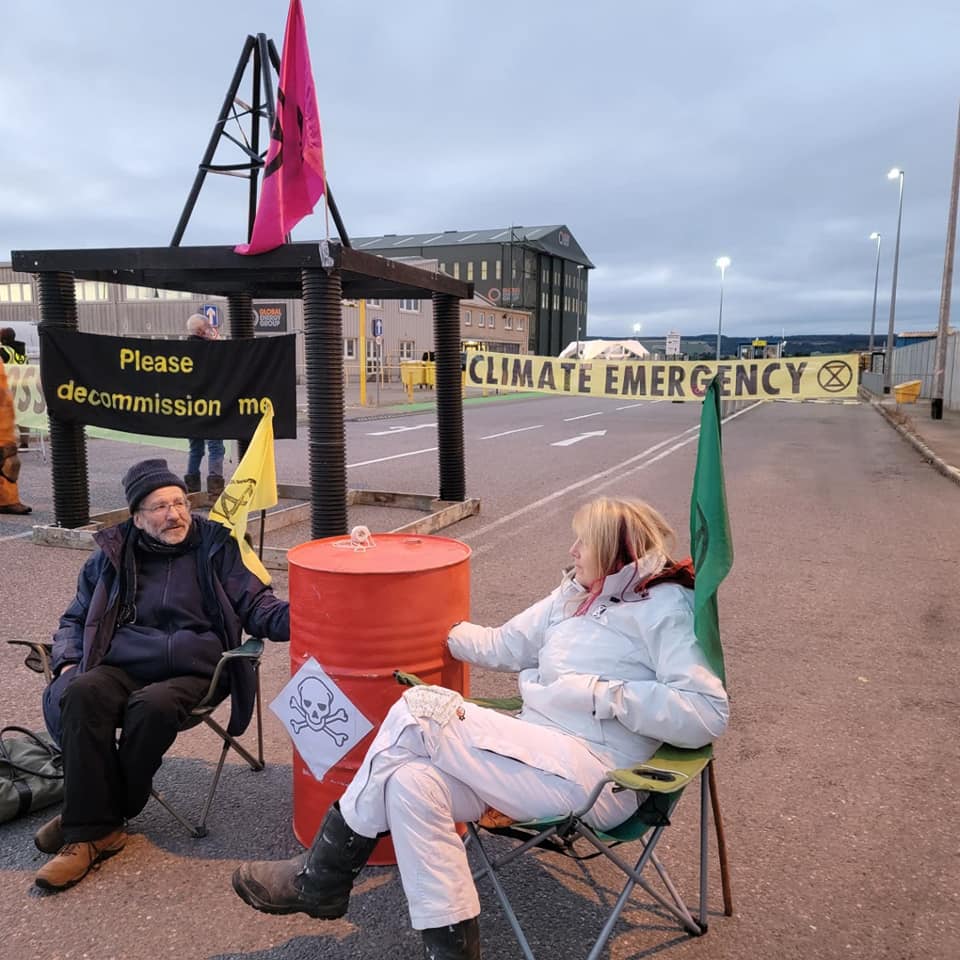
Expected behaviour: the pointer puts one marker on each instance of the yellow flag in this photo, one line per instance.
(253, 486)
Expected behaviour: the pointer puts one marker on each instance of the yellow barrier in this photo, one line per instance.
(907, 392)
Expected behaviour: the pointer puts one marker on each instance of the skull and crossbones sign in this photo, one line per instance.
(313, 702)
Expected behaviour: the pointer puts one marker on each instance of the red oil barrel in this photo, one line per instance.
(361, 614)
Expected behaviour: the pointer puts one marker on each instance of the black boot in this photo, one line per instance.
(192, 482)
(215, 485)
(316, 883)
(461, 941)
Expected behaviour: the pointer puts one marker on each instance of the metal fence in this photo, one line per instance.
(916, 362)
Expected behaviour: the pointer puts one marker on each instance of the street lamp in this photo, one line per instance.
(895, 174)
(722, 263)
(876, 277)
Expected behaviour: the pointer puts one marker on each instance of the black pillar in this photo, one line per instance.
(323, 343)
(446, 338)
(68, 441)
(240, 317)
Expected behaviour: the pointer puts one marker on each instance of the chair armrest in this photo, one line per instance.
(668, 770)
(39, 657)
(510, 704)
(251, 649)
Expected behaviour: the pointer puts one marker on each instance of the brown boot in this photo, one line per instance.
(215, 485)
(76, 860)
(49, 838)
(18, 508)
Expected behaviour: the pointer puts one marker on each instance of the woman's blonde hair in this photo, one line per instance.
(622, 531)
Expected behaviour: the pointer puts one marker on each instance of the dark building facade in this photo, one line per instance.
(540, 269)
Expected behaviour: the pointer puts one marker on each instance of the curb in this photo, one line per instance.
(938, 463)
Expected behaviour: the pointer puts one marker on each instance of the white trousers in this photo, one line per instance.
(419, 779)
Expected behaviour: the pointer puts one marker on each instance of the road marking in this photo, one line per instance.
(583, 436)
(583, 416)
(609, 476)
(396, 456)
(17, 536)
(392, 430)
(506, 433)
(642, 403)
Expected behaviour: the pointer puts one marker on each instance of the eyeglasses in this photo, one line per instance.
(181, 506)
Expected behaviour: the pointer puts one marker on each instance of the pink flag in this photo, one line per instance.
(293, 179)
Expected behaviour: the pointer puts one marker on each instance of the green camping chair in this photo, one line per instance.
(38, 659)
(663, 778)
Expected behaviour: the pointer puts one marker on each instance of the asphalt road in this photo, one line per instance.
(838, 775)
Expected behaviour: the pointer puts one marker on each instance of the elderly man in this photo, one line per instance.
(9, 458)
(200, 328)
(157, 604)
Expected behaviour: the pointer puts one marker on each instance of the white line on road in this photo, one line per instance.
(643, 403)
(583, 436)
(583, 416)
(506, 433)
(396, 456)
(609, 476)
(392, 430)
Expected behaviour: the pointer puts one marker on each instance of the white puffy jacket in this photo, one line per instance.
(625, 677)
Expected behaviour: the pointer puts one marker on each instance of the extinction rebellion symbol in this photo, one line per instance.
(835, 376)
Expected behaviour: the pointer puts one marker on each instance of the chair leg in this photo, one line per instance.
(721, 843)
(194, 831)
(202, 825)
(256, 763)
(256, 672)
(489, 870)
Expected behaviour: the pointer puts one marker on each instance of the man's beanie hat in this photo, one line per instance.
(145, 477)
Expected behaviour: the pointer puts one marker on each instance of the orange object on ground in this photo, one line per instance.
(361, 614)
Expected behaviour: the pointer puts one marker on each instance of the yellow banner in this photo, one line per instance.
(253, 486)
(796, 378)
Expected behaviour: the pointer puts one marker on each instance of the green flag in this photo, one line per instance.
(710, 541)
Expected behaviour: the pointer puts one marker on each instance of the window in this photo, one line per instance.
(470, 271)
(411, 306)
(508, 323)
(467, 318)
(88, 290)
(407, 349)
(349, 348)
(481, 320)
(543, 300)
(499, 270)
(556, 301)
(456, 270)
(492, 320)
(520, 324)
(16, 293)
(483, 269)
(377, 304)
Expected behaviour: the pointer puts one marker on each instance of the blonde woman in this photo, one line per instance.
(609, 668)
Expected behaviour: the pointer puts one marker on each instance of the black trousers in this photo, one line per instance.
(108, 780)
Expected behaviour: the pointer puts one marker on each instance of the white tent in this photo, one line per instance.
(607, 350)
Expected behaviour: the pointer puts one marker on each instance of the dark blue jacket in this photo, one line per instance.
(236, 598)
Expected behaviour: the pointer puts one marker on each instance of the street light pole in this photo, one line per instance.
(579, 275)
(876, 278)
(722, 263)
(895, 174)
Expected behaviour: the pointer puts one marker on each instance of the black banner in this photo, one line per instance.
(169, 388)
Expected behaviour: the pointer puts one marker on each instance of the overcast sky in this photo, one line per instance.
(663, 134)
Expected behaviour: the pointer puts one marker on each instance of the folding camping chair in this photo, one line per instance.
(38, 660)
(663, 779)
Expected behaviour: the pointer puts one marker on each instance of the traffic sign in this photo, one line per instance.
(378, 327)
(212, 312)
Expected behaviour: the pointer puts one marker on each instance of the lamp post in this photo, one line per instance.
(722, 263)
(579, 275)
(876, 278)
(895, 174)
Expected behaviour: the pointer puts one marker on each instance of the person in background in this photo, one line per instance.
(199, 328)
(13, 350)
(9, 458)
(610, 668)
(157, 604)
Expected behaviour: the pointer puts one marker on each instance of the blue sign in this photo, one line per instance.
(378, 326)
(212, 312)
